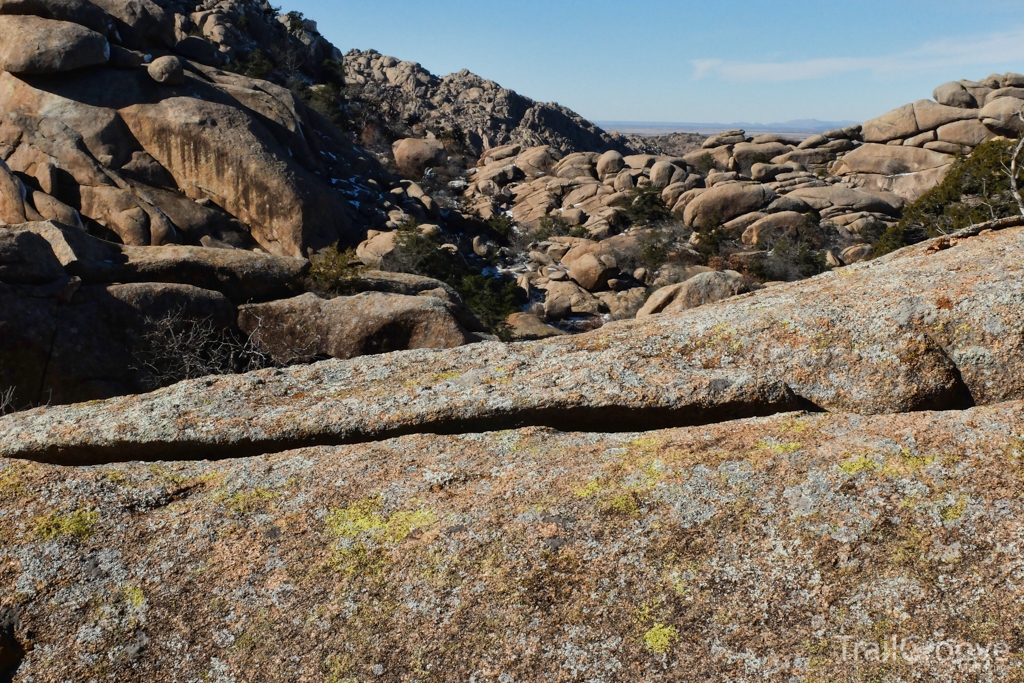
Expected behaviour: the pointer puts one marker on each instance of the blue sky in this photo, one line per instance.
(709, 61)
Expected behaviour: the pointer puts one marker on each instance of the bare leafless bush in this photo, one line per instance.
(7, 401)
(175, 348)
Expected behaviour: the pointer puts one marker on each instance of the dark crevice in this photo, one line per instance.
(12, 652)
(603, 419)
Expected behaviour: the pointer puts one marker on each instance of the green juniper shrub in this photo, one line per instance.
(333, 271)
(658, 243)
(253, 64)
(501, 226)
(893, 239)
(491, 299)
(976, 189)
(647, 207)
(295, 21)
(710, 242)
(551, 226)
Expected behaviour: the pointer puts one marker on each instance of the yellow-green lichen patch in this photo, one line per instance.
(954, 511)
(365, 518)
(660, 638)
(780, 448)
(135, 596)
(860, 463)
(245, 502)
(79, 525)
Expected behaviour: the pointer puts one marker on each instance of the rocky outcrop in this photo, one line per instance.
(925, 328)
(914, 144)
(173, 151)
(83, 319)
(483, 113)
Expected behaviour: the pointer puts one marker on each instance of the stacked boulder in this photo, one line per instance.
(909, 150)
(117, 118)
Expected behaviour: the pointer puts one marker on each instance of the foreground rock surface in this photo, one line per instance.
(741, 551)
(935, 326)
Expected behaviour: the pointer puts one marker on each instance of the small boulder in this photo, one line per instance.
(770, 228)
(537, 161)
(721, 204)
(376, 249)
(167, 71)
(701, 289)
(12, 197)
(307, 326)
(664, 174)
(415, 155)
(954, 94)
(857, 252)
(527, 326)
(609, 164)
(1003, 116)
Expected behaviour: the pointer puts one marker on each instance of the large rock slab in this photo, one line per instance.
(33, 45)
(721, 204)
(850, 199)
(891, 160)
(648, 553)
(931, 115)
(900, 123)
(926, 327)
(242, 276)
(307, 326)
(220, 153)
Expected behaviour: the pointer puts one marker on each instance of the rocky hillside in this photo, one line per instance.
(475, 111)
(434, 547)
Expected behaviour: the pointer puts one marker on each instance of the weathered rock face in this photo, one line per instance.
(725, 202)
(174, 151)
(933, 326)
(33, 45)
(660, 542)
(309, 327)
(703, 288)
(64, 344)
(216, 152)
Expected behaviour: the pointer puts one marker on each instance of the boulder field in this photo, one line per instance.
(742, 469)
(763, 540)
(932, 327)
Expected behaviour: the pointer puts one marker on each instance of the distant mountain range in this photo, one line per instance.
(798, 126)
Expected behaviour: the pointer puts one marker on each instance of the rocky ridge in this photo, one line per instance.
(474, 110)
